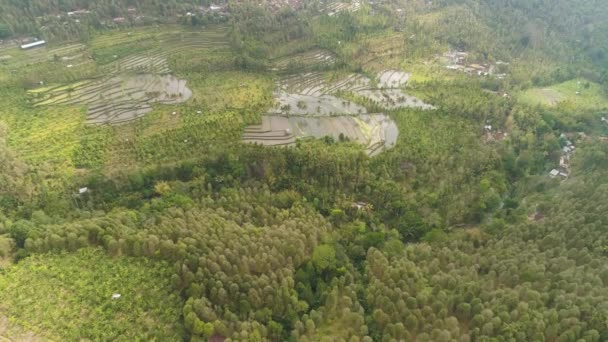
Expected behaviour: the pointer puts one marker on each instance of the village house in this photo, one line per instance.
(456, 58)
(455, 67)
(33, 45)
(564, 160)
(362, 206)
(558, 173)
(78, 13)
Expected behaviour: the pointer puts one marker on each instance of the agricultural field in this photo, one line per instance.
(86, 104)
(312, 59)
(320, 105)
(315, 94)
(142, 52)
(45, 136)
(578, 93)
(81, 306)
(215, 92)
(316, 104)
(71, 55)
(117, 99)
(337, 7)
(113, 49)
(376, 132)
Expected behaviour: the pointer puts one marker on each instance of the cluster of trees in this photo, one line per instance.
(536, 36)
(234, 255)
(50, 20)
(82, 284)
(16, 184)
(253, 262)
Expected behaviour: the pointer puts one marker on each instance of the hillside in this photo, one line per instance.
(304, 171)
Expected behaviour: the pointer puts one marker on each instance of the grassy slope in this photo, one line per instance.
(591, 98)
(80, 306)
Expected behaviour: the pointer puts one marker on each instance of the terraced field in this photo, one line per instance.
(116, 99)
(317, 96)
(315, 58)
(319, 105)
(392, 79)
(133, 71)
(159, 48)
(148, 63)
(375, 131)
(307, 105)
(338, 7)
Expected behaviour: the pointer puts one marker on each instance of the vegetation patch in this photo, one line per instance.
(69, 297)
(579, 93)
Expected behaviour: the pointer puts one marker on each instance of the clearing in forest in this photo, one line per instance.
(81, 305)
(578, 92)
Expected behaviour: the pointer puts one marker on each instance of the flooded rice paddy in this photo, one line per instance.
(376, 132)
(116, 99)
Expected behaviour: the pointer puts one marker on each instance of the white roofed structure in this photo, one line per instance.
(33, 45)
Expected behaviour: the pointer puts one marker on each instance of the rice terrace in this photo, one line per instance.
(119, 78)
(117, 99)
(311, 106)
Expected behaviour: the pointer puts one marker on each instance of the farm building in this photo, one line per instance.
(33, 45)
(561, 173)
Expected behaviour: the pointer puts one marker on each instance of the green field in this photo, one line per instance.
(577, 93)
(68, 297)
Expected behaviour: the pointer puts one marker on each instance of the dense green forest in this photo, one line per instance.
(454, 232)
